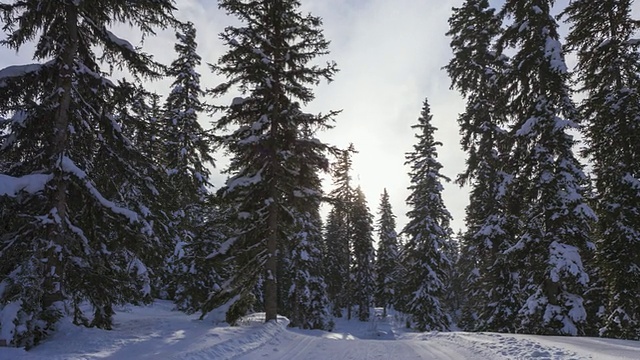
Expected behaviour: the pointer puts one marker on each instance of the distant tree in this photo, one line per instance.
(268, 62)
(336, 257)
(186, 154)
(339, 233)
(603, 36)
(548, 182)
(73, 240)
(363, 265)
(387, 255)
(424, 284)
(478, 72)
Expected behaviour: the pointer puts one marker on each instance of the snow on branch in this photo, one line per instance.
(119, 41)
(19, 70)
(69, 167)
(11, 186)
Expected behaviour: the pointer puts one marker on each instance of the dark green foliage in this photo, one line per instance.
(603, 35)
(76, 239)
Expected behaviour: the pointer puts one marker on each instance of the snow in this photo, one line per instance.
(11, 186)
(553, 51)
(157, 332)
(20, 70)
(119, 41)
(70, 167)
(8, 314)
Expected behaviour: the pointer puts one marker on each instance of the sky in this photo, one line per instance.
(390, 55)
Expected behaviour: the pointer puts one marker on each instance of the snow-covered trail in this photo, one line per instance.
(354, 340)
(155, 332)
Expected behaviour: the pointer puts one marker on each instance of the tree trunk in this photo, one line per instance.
(271, 284)
(54, 268)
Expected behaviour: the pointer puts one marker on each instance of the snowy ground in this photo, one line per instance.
(156, 332)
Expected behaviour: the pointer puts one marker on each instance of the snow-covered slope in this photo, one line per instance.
(156, 332)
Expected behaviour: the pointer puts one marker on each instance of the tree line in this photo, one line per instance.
(107, 197)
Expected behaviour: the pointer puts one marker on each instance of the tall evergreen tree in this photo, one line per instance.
(338, 235)
(336, 257)
(186, 154)
(387, 259)
(549, 182)
(602, 34)
(428, 231)
(67, 242)
(136, 113)
(268, 62)
(478, 72)
(362, 269)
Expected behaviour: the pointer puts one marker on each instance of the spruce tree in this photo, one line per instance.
(186, 154)
(362, 269)
(339, 233)
(337, 258)
(478, 72)
(387, 259)
(268, 61)
(195, 268)
(136, 113)
(73, 240)
(307, 295)
(549, 183)
(307, 290)
(425, 284)
(608, 70)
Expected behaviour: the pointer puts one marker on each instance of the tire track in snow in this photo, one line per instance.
(255, 337)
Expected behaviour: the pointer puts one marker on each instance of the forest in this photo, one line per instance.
(112, 201)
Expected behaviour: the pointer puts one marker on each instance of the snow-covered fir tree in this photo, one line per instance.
(186, 153)
(338, 235)
(604, 36)
(268, 61)
(549, 183)
(307, 292)
(477, 71)
(424, 284)
(387, 255)
(136, 112)
(363, 264)
(64, 241)
(336, 257)
(196, 270)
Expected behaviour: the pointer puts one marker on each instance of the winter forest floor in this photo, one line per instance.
(156, 332)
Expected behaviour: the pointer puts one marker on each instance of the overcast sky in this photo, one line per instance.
(390, 55)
